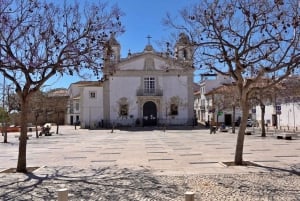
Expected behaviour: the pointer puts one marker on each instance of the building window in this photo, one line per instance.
(185, 54)
(202, 102)
(92, 94)
(71, 107)
(149, 85)
(202, 90)
(77, 106)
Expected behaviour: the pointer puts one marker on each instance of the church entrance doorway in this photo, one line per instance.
(149, 114)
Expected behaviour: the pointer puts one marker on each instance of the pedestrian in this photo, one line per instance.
(77, 123)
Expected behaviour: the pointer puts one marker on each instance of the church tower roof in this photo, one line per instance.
(183, 39)
(113, 41)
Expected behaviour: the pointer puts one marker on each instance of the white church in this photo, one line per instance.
(148, 88)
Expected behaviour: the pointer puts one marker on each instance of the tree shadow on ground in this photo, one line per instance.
(106, 183)
(294, 169)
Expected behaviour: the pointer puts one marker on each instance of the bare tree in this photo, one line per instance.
(246, 40)
(36, 105)
(39, 40)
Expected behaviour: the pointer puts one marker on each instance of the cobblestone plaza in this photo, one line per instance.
(151, 165)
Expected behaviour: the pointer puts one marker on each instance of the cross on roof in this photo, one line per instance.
(149, 37)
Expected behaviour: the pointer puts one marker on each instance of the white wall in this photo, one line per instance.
(288, 117)
(134, 65)
(74, 90)
(124, 87)
(175, 86)
(138, 64)
(91, 108)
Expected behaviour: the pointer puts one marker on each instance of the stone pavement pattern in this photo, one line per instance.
(151, 165)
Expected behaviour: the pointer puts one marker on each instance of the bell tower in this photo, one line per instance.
(115, 49)
(184, 48)
(111, 57)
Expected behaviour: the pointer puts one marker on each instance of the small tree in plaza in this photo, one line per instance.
(4, 117)
(246, 40)
(39, 40)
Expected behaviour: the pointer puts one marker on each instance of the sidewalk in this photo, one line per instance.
(168, 160)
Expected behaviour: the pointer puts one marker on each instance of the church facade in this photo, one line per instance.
(143, 89)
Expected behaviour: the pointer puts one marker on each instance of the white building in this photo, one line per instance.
(208, 100)
(283, 106)
(143, 89)
(283, 115)
(75, 94)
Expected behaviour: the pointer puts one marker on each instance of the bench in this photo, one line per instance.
(287, 136)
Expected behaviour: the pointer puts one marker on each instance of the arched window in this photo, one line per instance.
(185, 54)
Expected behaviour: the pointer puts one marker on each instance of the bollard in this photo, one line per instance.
(189, 196)
(62, 194)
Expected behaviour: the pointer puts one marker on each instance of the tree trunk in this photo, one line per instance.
(36, 127)
(238, 159)
(57, 123)
(21, 166)
(36, 131)
(4, 127)
(5, 132)
(233, 119)
(263, 128)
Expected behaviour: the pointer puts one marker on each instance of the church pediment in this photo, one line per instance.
(147, 62)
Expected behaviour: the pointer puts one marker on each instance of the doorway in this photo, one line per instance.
(149, 114)
(227, 119)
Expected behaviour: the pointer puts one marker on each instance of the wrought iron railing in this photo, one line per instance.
(149, 92)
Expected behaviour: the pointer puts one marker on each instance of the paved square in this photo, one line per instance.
(190, 151)
(151, 165)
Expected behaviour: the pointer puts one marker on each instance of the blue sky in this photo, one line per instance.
(142, 18)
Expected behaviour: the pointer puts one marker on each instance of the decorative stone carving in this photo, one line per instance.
(123, 107)
(174, 102)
